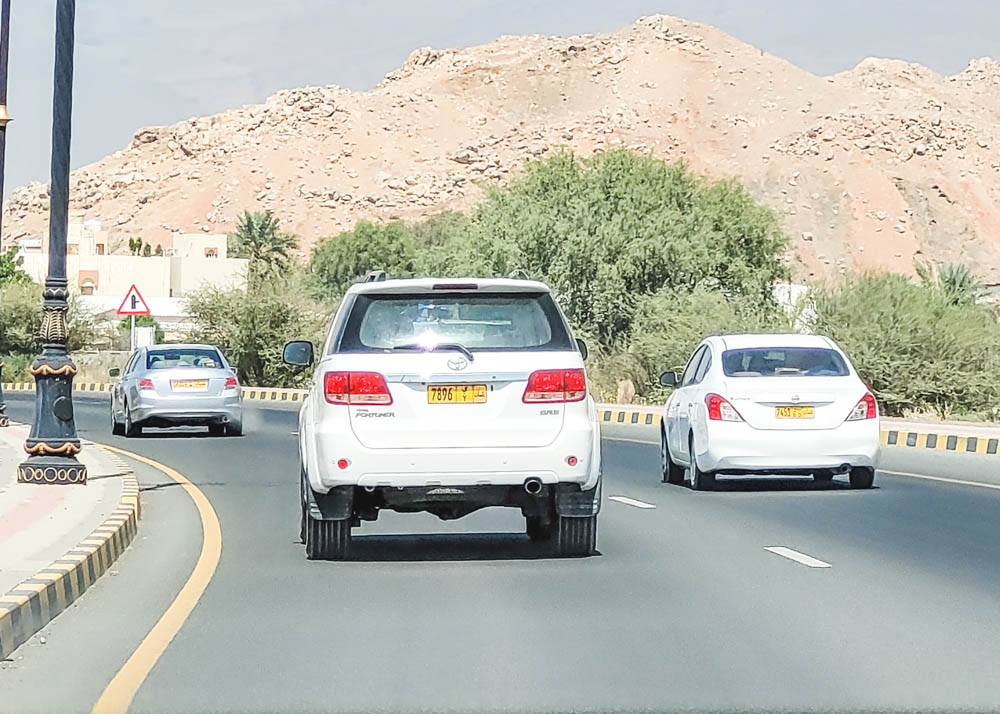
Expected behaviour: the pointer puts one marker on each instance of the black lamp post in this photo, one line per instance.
(52, 445)
(4, 120)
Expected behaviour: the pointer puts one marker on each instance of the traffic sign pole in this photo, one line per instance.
(131, 332)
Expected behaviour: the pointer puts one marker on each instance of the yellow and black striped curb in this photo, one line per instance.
(35, 602)
(941, 442)
(264, 394)
(611, 415)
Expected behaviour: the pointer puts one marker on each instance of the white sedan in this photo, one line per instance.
(769, 404)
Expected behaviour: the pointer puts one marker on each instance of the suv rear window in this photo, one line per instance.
(183, 357)
(784, 362)
(476, 321)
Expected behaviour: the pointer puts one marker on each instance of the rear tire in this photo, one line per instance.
(327, 540)
(576, 537)
(672, 472)
(131, 429)
(234, 428)
(700, 480)
(117, 428)
(862, 477)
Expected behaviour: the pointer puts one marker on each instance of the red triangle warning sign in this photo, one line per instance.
(133, 304)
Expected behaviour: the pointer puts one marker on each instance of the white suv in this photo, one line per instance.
(448, 396)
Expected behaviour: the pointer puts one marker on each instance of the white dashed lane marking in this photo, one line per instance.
(631, 502)
(798, 557)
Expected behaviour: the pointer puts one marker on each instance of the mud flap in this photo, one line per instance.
(575, 503)
(337, 505)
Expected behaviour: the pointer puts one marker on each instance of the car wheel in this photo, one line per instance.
(131, 429)
(575, 537)
(327, 540)
(117, 428)
(234, 428)
(217, 429)
(672, 473)
(700, 480)
(862, 477)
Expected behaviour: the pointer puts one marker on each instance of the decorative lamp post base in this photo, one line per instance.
(52, 445)
(61, 470)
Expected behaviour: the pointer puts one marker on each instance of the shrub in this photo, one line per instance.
(919, 350)
(607, 230)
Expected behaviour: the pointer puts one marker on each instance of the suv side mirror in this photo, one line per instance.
(582, 346)
(668, 379)
(298, 353)
(114, 372)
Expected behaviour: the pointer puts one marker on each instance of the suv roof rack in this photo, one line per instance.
(375, 276)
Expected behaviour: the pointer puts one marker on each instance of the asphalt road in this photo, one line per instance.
(683, 608)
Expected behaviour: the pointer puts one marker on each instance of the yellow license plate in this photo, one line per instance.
(795, 412)
(456, 393)
(190, 384)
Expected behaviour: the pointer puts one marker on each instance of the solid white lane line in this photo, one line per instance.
(631, 502)
(798, 557)
(942, 479)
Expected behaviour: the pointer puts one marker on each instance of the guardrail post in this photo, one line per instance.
(53, 444)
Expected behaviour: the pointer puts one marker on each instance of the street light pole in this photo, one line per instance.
(52, 445)
(4, 120)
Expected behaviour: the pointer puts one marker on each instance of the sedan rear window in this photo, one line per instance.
(183, 357)
(784, 362)
(475, 321)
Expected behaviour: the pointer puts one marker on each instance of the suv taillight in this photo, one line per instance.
(865, 409)
(555, 385)
(356, 388)
(721, 410)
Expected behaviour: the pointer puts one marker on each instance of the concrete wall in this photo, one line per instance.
(190, 274)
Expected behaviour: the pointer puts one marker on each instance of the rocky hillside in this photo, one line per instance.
(872, 167)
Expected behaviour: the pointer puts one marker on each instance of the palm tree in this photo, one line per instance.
(955, 281)
(259, 238)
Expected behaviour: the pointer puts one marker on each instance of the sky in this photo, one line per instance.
(142, 63)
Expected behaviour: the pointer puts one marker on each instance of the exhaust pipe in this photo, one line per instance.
(533, 486)
(844, 468)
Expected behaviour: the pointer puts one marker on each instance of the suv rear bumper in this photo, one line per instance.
(420, 468)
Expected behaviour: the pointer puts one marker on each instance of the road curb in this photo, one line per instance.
(35, 602)
(265, 394)
(906, 438)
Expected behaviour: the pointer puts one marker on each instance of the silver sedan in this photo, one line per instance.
(176, 385)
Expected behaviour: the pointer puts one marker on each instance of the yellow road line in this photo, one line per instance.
(118, 695)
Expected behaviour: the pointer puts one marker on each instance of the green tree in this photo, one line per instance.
(125, 326)
(258, 237)
(10, 268)
(918, 349)
(339, 261)
(604, 231)
(252, 325)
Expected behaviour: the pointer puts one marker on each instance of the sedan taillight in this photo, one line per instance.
(555, 385)
(146, 384)
(356, 388)
(231, 383)
(721, 410)
(865, 409)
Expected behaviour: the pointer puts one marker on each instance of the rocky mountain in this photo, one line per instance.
(876, 166)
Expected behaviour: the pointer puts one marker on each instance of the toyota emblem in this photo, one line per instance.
(457, 364)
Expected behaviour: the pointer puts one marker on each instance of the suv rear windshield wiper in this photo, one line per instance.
(453, 346)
